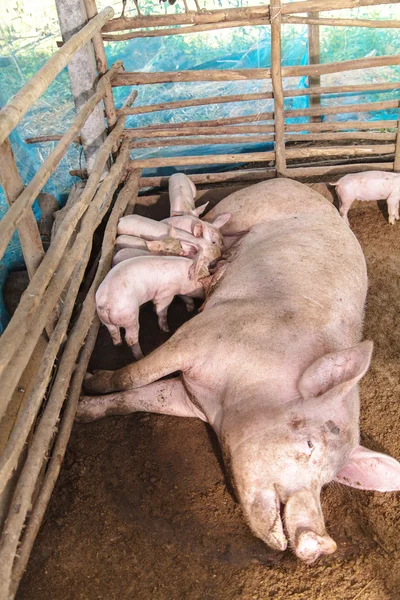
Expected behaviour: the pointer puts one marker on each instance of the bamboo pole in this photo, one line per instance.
(260, 138)
(251, 175)
(337, 126)
(341, 135)
(160, 130)
(119, 37)
(16, 442)
(11, 182)
(94, 215)
(23, 204)
(138, 110)
(291, 153)
(314, 19)
(141, 78)
(225, 15)
(53, 470)
(29, 311)
(44, 433)
(125, 199)
(19, 104)
(396, 166)
(331, 170)
(39, 139)
(201, 141)
(276, 76)
(190, 131)
(102, 66)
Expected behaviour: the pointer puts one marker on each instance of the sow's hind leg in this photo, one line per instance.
(163, 397)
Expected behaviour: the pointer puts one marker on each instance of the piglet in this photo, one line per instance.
(182, 194)
(367, 186)
(198, 228)
(155, 230)
(135, 281)
(167, 246)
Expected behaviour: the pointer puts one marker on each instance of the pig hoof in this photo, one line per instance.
(85, 411)
(311, 546)
(165, 328)
(392, 220)
(98, 383)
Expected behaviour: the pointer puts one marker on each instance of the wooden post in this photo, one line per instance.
(83, 75)
(12, 113)
(396, 164)
(276, 76)
(102, 66)
(12, 185)
(314, 58)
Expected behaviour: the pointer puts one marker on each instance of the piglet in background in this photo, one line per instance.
(368, 186)
(182, 195)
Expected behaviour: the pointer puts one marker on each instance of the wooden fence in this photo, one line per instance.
(41, 333)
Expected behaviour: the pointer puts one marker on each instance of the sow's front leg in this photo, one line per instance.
(162, 397)
(172, 356)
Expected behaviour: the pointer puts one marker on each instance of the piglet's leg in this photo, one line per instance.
(163, 397)
(189, 303)
(115, 333)
(345, 203)
(393, 207)
(132, 339)
(161, 306)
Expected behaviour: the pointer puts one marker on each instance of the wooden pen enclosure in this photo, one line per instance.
(53, 334)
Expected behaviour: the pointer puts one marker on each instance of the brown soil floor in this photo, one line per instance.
(142, 509)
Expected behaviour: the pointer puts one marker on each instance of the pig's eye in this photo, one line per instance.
(310, 445)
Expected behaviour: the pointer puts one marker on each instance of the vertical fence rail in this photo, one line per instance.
(314, 58)
(276, 76)
(11, 182)
(102, 66)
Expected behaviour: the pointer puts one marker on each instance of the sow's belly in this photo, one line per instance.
(312, 260)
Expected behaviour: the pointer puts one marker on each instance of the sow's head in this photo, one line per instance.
(296, 448)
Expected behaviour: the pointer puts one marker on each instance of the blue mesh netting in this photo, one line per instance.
(27, 41)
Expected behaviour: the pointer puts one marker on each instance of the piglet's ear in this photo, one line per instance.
(335, 374)
(368, 470)
(200, 209)
(221, 220)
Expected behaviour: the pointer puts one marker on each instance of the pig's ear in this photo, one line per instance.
(198, 269)
(188, 249)
(221, 220)
(336, 373)
(368, 470)
(198, 230)
(200, 209)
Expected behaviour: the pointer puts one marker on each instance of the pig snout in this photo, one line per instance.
(306, 528)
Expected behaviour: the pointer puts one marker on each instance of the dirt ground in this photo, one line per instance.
(142, 509)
